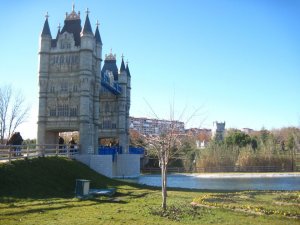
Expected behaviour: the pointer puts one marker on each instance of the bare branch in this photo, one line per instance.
(13, 111)
(150, 107)
(5, 96)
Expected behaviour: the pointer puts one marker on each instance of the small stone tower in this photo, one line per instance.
(74, 94)
(218, 130)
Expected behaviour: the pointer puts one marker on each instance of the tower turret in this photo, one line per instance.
(127, 69)
(87, 36)
(122, 67)
(46, 29)
(87, 28)
(89, 89)
(58, 32)
(128, 93)
(97, 34)
(87, 44)
(98, 47)
(44, 56)
(122, 101)
(97, 81)
(45, 43)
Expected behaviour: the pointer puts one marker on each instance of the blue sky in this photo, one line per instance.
(239, 61)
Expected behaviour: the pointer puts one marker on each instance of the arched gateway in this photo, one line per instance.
(75, 94)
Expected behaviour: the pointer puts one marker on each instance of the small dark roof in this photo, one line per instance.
(74, 27)
(111, 65)
(127, 70)
(97, 36)
(46, 28)
(87, 28)
(122, 68)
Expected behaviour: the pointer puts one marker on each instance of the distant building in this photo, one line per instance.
(148, 126)
(201, 144)
(247, 130)
(202, 136)
(218, 130)
(202, 132)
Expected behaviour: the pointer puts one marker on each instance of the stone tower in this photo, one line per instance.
(74, 94)
(218, 130)
(115, 101)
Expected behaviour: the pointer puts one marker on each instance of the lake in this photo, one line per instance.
(265, 181)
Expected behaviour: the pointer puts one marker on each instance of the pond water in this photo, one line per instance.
(225, 181)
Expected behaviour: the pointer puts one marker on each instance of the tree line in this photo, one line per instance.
(244, 152)
(238, 151)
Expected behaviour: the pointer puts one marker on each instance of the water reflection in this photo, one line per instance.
(225, 182)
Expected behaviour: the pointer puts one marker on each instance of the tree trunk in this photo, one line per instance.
(164, 186)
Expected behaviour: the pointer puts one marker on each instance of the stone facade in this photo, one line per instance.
(75, 94)
(120, 166)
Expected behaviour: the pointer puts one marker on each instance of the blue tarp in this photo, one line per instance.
(136, 150)
(106, 150)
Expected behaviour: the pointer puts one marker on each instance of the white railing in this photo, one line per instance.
(13, 152)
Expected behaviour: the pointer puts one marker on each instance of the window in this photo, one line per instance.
(63, 110)
(64, 87)
(61, 59)
(75, 88)
(73, 111)
(53, 112)
(52, 89)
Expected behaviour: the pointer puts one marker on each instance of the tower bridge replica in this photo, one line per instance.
(75, 94)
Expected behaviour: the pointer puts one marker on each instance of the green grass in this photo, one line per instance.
(41, 191)
(255, 202)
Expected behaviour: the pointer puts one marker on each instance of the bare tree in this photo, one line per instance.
(167, 146)
(13, 111)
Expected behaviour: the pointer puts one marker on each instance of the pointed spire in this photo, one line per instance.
(58, 32)
(127, 69)
(97, 34)
(46, 28)
(87, 25)
(122, 68)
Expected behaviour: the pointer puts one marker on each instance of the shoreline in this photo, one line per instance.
(246, 175)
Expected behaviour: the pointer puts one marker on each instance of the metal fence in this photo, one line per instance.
(13, 152)
(247, 169)
(222, 169)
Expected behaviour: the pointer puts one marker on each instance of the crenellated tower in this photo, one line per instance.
(218, 130)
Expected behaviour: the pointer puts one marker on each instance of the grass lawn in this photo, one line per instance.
(41, 191)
